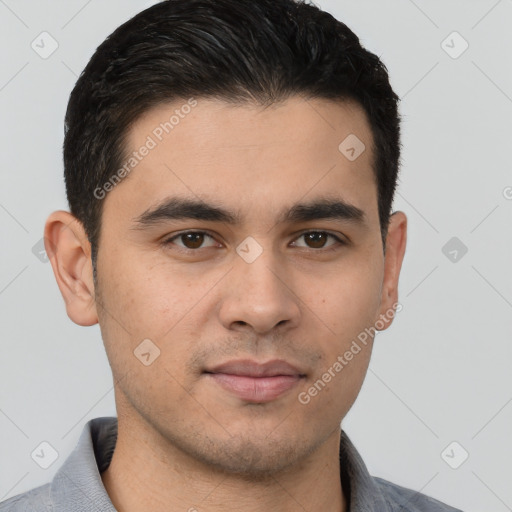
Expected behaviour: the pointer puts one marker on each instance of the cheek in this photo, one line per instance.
(142, 328)
(347, 302)
(333, 389)
(347, 299)
(150, 299)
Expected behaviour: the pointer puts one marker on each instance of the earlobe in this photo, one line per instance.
(69, 252)
(396, 242)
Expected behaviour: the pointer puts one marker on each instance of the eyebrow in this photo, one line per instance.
(176, 208)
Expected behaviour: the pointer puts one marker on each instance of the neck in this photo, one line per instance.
(149, 473)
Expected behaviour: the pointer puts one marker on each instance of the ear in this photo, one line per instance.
(396, 242)
(69, 252)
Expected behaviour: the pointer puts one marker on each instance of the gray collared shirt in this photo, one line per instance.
(77, 485)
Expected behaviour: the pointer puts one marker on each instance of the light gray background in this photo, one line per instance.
(440, 374)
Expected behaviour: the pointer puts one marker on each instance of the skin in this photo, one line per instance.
(184, 442)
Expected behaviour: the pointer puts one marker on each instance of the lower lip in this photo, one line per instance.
(256, 389)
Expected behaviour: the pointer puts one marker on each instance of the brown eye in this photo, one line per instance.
(191, 240)
(318, 240)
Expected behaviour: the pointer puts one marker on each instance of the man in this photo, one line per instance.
(230, 168)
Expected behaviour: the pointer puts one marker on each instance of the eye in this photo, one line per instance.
(194, 240)
(318, 240)
(191, 240)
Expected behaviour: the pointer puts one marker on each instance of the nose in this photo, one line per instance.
(259, 295)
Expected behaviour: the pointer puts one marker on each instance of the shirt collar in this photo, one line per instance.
(362, 492)
(77, 485)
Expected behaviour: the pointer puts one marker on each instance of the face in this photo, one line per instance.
(245, 249)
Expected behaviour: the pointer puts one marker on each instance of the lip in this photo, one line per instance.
(256, 382)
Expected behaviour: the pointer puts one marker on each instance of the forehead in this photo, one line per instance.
(249, 158)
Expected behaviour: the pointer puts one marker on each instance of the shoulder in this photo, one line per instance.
(35, 500)
(408, 500)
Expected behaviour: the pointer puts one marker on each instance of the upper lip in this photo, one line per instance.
(250, 368)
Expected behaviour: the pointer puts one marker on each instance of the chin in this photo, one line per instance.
(248, 457)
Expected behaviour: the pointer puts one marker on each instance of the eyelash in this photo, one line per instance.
(339, 241)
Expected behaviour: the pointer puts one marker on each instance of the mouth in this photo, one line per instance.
(256, 382)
